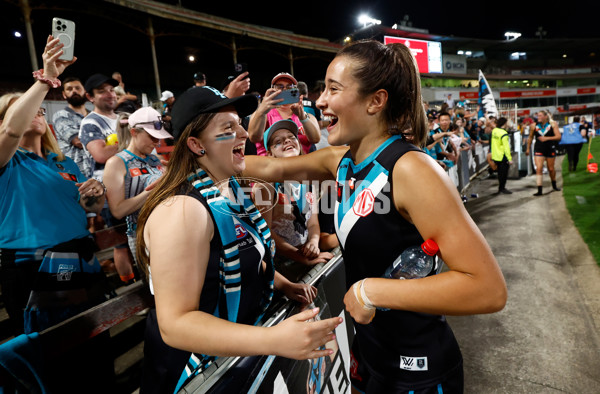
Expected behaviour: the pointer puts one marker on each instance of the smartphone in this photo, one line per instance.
(64, 30)
(239, 68)
(289, 96)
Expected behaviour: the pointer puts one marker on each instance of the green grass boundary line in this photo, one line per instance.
(581, 191)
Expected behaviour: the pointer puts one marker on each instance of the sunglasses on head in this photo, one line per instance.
(158, 124)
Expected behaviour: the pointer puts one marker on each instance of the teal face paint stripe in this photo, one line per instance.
(224, 136)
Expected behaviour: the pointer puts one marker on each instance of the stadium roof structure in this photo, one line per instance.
(550, 53)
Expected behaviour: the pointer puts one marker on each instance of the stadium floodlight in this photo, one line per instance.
(366, 20)
(511, 35)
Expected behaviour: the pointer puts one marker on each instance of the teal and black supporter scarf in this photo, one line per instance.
(223, 211)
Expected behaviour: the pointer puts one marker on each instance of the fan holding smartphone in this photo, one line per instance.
(64, 30)
(283, 101)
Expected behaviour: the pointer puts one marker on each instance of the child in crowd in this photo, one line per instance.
(373, 94)
(294, 217)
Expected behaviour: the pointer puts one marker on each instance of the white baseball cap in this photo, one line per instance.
(167, 94)
(148, 119)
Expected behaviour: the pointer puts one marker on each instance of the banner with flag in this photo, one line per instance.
(487, 104)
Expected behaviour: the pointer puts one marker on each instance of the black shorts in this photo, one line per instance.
(545, 150)
(364, 382)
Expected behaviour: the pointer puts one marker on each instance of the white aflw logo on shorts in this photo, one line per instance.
(413, 363)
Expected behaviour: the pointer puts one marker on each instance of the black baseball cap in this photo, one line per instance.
(206, 99)
(97, 80)
(199, 76)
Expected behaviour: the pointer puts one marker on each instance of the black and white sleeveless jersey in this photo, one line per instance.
(407, 347)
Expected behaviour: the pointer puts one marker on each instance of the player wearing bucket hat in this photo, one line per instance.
(206, 99)
(148, 119)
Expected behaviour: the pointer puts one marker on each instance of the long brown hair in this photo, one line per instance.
(182, 162)
(393, 68)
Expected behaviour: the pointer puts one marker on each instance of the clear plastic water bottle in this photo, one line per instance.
(415, 262)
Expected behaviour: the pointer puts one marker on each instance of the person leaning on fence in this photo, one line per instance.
(293, 219)
(373, 95)
(208, 254)
(48, 270)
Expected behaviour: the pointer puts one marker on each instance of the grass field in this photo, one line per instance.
(582, 197)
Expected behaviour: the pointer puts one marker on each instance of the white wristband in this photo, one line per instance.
(363, 294)
(304, 120)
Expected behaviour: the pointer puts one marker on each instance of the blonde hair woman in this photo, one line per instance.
(131, 173)
(43, 208)
(547, 136)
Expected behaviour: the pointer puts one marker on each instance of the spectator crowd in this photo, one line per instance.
(100, 166)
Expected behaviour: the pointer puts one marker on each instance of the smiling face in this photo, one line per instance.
(104, 98)
(342, 103)
(224, 141)
(283, 143)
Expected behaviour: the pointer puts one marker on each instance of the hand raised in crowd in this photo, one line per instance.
(53, 67)
(269, 101)
(239, 86)
(298, 109)
(302, 339)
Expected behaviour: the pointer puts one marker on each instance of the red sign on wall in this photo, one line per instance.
(586, 91)
(527, 93)
(469, 95)
(428, 54)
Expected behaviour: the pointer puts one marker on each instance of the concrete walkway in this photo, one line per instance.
(547, 339)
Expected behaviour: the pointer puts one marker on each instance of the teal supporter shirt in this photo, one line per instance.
(39, 202)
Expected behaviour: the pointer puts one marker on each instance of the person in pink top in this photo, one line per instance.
(270, 111)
